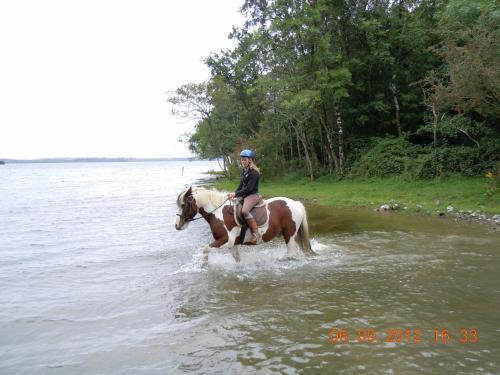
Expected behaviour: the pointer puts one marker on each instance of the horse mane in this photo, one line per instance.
(206, 197)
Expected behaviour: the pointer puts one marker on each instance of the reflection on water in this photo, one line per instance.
(95, 279)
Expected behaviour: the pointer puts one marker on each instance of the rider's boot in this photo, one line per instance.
(256, 237)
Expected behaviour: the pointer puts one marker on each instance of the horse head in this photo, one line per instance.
(187, 209)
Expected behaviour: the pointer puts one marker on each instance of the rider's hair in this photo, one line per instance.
(254, 167)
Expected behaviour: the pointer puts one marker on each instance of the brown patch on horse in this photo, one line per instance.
(217, 226)
(280, 221)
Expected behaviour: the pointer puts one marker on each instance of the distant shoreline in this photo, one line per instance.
(91, 160)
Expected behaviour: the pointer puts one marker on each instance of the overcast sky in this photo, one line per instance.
(88, 78)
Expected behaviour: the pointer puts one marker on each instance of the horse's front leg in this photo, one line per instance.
(214, 245)
(233, 234)
(206, 250)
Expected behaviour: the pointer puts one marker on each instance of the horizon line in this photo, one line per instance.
(98, 158)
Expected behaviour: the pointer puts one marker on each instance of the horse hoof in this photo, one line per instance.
(236, 256)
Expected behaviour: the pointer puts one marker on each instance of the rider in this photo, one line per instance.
(248, 189)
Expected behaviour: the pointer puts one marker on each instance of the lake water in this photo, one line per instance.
(95, 279)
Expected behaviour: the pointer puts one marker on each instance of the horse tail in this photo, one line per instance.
(303, 233)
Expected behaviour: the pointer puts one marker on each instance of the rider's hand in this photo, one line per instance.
(231, 195)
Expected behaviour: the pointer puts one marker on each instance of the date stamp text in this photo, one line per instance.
(402, 335)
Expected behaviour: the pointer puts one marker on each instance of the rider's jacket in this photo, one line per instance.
(249, 183)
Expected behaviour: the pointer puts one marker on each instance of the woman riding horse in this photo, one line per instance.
(248, 189)
(286, 217)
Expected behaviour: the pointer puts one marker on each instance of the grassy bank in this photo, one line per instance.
(428, 196)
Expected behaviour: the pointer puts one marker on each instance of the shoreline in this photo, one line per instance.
(6, 161)
(461, 199)
(458, 216)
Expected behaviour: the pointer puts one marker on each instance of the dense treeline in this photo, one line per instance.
(354, 88)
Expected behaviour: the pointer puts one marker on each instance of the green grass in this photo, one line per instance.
(428, 196)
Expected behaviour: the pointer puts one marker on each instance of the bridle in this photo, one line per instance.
(190, 199)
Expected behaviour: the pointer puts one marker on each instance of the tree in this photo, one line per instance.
(468, 83)
(210, 104)
(311, 84)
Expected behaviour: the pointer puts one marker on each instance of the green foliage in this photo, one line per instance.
(444, 161)
(458, 14)
(451, 160)
(398, 157)
(386, 157)
(323, 87)
(456, 130)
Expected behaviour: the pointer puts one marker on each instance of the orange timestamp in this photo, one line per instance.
(402, 335)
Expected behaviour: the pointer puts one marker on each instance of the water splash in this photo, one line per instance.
(269, 257)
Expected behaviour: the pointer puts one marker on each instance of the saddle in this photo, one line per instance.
(259, 212)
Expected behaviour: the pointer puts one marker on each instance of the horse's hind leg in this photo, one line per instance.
(291, 248)
(289, 236)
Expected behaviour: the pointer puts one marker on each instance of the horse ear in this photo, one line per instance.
(189, 192)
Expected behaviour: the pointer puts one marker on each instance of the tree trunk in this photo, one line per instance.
(304, 142)
(341, 140)
(434, 124)
(323, 159)
(396, 105)
(225, 164)
(332, 157)
(333, 162)
(298, 145)
(468, 136)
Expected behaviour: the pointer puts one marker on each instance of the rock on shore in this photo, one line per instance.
(472, 216)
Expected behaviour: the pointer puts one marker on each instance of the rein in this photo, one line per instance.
(203, 216)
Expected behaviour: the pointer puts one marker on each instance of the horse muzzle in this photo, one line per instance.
(181, 227)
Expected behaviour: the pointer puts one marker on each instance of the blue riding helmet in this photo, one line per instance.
(247, 154)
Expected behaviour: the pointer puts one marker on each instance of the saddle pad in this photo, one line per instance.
(259, 212)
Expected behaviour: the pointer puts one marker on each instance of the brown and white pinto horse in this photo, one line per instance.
(284, 216)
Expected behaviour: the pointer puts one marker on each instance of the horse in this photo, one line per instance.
(284, 216)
